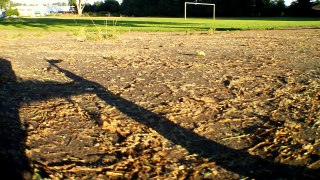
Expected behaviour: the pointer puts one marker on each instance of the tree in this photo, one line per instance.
(11, 12)
(233, 8)
(103, 8)
(57, 4)
(278, 7)
(80, 4)
(302, 8)
(111, 6)
(152, 7)
(4, 3)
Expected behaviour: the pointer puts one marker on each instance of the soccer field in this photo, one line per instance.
(124, 24)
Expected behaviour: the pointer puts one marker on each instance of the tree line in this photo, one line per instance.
(175, 8)
(224, 8)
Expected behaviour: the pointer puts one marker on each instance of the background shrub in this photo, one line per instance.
(12, 12)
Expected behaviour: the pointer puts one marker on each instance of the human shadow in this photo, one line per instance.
(13, 161)
(238, 161)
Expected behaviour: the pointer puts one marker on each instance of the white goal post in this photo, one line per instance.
(196, 3)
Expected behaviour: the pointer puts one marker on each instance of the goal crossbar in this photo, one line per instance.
(196, 3)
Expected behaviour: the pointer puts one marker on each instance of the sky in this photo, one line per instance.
(288, 2)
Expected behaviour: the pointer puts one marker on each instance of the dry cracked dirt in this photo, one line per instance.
(150, 106)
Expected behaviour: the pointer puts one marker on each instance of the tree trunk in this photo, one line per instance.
(80, 6)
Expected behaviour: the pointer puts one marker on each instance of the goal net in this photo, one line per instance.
(203, 4)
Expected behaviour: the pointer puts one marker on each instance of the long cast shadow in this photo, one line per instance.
(254, 167)
(238, 161)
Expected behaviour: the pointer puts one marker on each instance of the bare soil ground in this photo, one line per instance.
(149, 106)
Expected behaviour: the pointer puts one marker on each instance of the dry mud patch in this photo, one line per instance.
(145, 105)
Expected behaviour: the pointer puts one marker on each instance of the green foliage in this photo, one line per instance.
(60, 4)
(111, 6)
(72, 2)
(103, 8)
(224, 8)
(12, 12)
(173, 8)
(3, 3)
(303, 8)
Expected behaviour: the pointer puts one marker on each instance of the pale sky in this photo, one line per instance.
(288, 2)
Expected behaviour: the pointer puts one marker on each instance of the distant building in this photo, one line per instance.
(1, 13)
(32, 10)
(60, 9)
(41, 10)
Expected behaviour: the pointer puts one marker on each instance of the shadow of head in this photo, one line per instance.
(6, 72)
(52, 62)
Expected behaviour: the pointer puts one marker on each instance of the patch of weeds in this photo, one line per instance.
(80, 33)
(96, 34)
(93, 36)
(188, 32)
(39, 174)
(107, 33)
(238, 132)
(210, 31)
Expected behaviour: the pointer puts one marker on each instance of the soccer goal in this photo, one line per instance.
(203, 4)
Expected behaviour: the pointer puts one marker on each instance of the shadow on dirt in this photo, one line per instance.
(13, 161)
(13, 135)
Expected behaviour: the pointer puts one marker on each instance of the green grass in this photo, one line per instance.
(154, 24)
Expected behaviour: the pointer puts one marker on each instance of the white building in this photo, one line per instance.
(59, 9)
(41, 10)
(32, 10)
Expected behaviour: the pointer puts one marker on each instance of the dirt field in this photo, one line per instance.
(227, 105)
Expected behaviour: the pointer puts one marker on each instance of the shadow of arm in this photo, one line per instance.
(238, 161)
